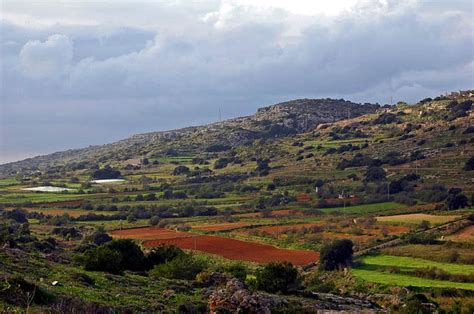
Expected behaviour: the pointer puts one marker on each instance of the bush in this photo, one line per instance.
(469, 166)
(217, 148)
(18, 215)
(238, 270)
(277, 277)
(184, 267)
(163, 254)
(102, 259)
(181, 170)
(106, 173)
(336, 255)
(375, 174)
(457, 201)
(154, 220)
(100, 237)
(114, 257)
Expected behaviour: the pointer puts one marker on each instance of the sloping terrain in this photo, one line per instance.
(275, 121)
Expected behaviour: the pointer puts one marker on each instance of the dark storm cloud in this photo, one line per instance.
(95, 77)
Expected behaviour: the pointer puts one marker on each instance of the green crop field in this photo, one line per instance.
(407, 263)
(374, 270)
(407, 281)
(365, 208)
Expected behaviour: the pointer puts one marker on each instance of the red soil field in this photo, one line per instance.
(149, 233)
(61, 211)
(63, 203)
(280, 212)
(303, 197)
(464, 235)
(239, 250)
(220, 226)
(282, 228)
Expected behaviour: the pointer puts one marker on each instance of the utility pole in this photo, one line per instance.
(220, 115)
(388, 191)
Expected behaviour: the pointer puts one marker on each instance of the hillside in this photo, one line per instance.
(276, 121)
(241, 214)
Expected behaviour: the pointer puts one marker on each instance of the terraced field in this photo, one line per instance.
(376, 269)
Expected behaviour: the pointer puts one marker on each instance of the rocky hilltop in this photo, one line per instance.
(276, 121)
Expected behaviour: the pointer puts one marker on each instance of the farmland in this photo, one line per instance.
(417, 218)
(374, 270)
(189, 206)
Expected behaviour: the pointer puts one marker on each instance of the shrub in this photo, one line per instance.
(184, 267)
(436, 193)
(181, 170)
(154, 220)
(238, 270)
(114, 257)
(457, 201)
(421, 238)
(469, 166)
(100, 237)
(106, 173)
(217, 148)
(18, 215)
(162, 254)
(336, 254)
(221, 163)
(102, 259)
(277, 277)
(375, 174)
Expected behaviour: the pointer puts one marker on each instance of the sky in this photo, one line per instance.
(87, 72)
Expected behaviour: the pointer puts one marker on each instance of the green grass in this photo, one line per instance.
(409, 263)
(8, 182)
(373, 271)
(365, 208)
(20, 198)
(407, 281)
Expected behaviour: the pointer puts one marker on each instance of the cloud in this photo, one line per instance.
(48, 59)
(157, 63)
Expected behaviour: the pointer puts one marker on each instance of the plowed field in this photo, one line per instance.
(239, 250)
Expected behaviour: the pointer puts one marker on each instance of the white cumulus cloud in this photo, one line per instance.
(50, 58)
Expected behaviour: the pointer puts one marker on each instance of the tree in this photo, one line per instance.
(277, 277)
(106, 173)
(132, 255)
(163, 254)
(154, 220)
(131, 218)
(180, 170)
(100, 237)
(102, 259)
(469, 166)
(456, 201)
(19, 215)
(374, 174)
(336, 254)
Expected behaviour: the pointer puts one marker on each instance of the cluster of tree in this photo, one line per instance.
(274, 200)
(15, 232)
(342, 149)
(217, 148)
(386, 118)
(106, 173)
(263, 167)
(179, 170)
(458, 109)
(117, 256)
(336, 255)
(404, 184)
(359, 160)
